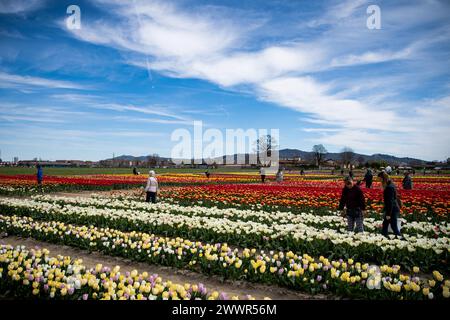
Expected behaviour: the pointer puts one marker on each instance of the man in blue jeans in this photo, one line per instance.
(39, 175)
(352, 199)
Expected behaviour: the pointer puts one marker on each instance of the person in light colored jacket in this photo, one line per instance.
(262, 172)
(279, 175)
(152, 187)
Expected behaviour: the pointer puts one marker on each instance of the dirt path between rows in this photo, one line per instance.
(240, 288)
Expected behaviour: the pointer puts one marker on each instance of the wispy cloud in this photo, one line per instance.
(8, 80)
(20, 6)
(366, 88)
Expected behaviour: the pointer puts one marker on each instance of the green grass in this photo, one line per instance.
(80, 171)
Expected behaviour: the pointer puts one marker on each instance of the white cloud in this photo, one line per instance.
(217, 48)
(8, 80)
(308, 96)
(19, 6)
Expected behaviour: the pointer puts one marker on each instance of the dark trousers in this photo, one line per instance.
(150, 196)
(368, 184)
(263, 177)
(393, 223)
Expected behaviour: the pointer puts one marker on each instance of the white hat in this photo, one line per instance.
(151, 172)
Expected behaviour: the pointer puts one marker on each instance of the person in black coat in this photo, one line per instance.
(368, 178)
(407, 182)
(352, 199)
(391, 205)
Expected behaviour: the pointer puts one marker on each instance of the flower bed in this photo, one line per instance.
(303, 272)
(34, 273)
(283, 233)
(419, 205)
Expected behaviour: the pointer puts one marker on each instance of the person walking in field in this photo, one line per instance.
(368, 178)
(407, 182)
(353, 205)
(152, 187)
(350, 173)
(392, 205)
(39, 175)
(280, 175)
(262, 172)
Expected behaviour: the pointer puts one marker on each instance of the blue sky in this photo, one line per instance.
(134, 73)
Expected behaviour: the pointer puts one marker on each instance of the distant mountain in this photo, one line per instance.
(307, 155)
(336, 156)
(133, 158)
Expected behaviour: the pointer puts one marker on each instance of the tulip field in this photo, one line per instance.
(287, 235)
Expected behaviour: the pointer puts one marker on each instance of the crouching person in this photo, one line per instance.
(353, 205)
(152, 187)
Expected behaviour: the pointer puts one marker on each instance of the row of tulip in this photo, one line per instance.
(428, 252)
(330, 219)
(303, 272)
(419, 205)
(34, 273)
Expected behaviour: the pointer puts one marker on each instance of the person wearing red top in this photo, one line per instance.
(352, 199)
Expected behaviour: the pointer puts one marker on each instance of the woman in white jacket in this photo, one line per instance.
(152, 187)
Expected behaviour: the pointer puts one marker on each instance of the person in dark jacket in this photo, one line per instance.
(407, 182)
(350, 173)
(391, 205)
(352, 199)
(39, 175)
(368, 178)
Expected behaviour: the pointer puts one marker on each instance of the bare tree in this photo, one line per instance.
(265, 146)
(347, 155)
(319, 152)
(360, 160)
(153, 160)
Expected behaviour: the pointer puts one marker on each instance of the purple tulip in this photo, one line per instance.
(85, 296)
(71, 291)
(46, 287)
(319, 278)
(223, 296)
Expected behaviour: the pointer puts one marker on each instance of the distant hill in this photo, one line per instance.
(393, 160)
(295, 153)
